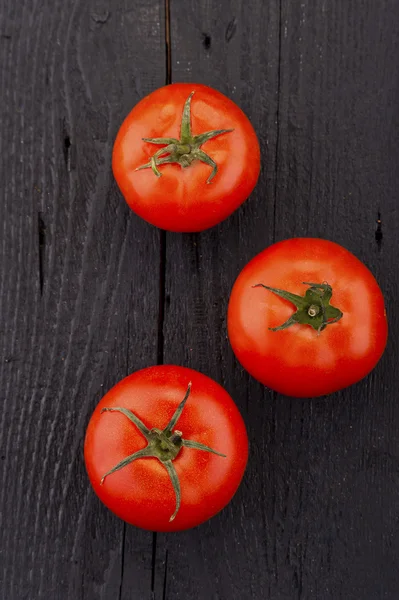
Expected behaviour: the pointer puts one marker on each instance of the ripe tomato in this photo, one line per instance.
(206, 157)
(191, 442)
(334, 338)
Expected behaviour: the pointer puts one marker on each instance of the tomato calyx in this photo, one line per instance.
(185, 150)
(164, 445)
(313, 308)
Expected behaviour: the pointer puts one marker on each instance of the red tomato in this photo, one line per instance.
(203, 454)
(344, 327)
(196, 180)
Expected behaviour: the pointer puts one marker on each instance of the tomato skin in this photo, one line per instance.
(141, 493)
(297, 361)
(181, 200)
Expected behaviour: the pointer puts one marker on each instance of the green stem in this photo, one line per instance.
(133, 418)
(313, 308)
(145, 452)
(176, 485)
(163, 445)
(185, 128)
(186, 150)
(178, 411)
(198, 446)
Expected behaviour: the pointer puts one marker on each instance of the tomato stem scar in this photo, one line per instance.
(164, 445)
(313, 308)
(184, 151)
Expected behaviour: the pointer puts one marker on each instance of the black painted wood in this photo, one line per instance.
(224, 45)
(317, 514)
(89, 292)
(78, 309)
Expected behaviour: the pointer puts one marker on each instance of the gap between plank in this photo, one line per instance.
(280, 25)
(168, 43)
(161, 311)
(161, 303)
(162, 282)
(122, 560)
(124, 524)
(162, 235)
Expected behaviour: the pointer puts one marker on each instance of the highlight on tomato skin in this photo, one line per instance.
(186, 157)
(307, 318)
(166, 448)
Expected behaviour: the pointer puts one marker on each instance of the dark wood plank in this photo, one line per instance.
(337, 175)
(317, 514)
(232, 46)
(78, 310)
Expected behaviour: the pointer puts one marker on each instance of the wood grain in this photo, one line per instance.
(233, 47)
(78, 311)
(89, 293)
(338, 147)
(317, 514)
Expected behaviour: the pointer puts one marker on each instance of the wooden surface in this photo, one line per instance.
(90, 293)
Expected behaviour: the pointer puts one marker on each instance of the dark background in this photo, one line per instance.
(89, 293)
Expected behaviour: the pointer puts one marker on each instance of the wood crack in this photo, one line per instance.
(153, 563)
(165, 579)
(378, 231)
(122, 560)
(42, 242)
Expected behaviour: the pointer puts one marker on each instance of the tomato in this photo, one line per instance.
(321, 327)
(191, 446)
(186, 157)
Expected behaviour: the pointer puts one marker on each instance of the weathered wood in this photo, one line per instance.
(337, 175)
(234, 47)
(78, 310)
(81, 278)
(316, 515)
